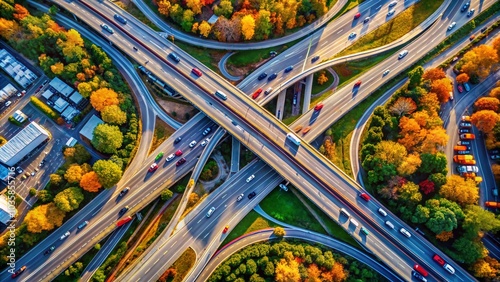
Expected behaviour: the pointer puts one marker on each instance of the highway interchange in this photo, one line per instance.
(263, 135)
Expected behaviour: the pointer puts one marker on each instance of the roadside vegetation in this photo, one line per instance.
(180, 268)
(210, 170)
(291, 260)
(251, 222)
(395, 28)
(162, 132)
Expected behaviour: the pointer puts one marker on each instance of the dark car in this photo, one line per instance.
(314, 59)
(85, 223)
(494, 152)
(124, 191)
(418, 276)
(262, 76)
(181, 161)
(124, 210)
(177, 140)
(49, 250)
(251, 195)
(289, 69)
(272, 76)
(120, 19)
(357, 84)
(464, 130)
(465, 7)
(19, 271)
(495, 157)
(174, 57)
(484, 29)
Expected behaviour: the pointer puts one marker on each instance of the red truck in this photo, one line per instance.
(123, 221)
(492, 204)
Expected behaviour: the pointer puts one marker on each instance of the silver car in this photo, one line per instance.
(192, 144)
(210, 211)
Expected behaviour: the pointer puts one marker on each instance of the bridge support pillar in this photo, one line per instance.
(307, 93)
(280, 104)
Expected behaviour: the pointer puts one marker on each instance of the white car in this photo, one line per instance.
(449, 268)
(405, 232)
(386, 72)
(240, 197)
(205, 142)
(393, 3)
(250, 178)
(170, 157)
(210, 211)
(206, 131)
(192, 144)
(65, 235)
(391, 12)
(452, 25)
(402, 54)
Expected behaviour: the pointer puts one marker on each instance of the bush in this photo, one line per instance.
(44, 108)
(33, 192)
(166, 194)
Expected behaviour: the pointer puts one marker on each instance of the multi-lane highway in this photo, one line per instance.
(256, 140)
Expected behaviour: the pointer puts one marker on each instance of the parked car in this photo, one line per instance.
(464, 130)
(495, 157)
(467, 87)
(466, 118)
(460, 88)
(465, 124)
(494, 151)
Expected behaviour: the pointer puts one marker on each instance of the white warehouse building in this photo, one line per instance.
(23, 143)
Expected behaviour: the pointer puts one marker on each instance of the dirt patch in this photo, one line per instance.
(177, 110)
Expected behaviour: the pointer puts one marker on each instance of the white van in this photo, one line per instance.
(388, 223)
(402, 54)
(8, 103)
(354, 222)
(344, 212)
(405, 232)
(382, 212)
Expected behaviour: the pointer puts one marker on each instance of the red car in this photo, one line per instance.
(318, 107)
(438, 259)
(178, 153)
(256, 93)
(153, 167)
(357, 16)
(197, 72)
(365, 196)
(420, 270)
(181, 161)
(225, 229)
(460, 88)
(19, 271)
(357, 84)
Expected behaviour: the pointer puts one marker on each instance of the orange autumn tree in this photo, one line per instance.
(442, 88)
(485, 120)
(102, 98)
(462, 78)
(90, 182)
(20, 12)
(433, 74)
(487, 103)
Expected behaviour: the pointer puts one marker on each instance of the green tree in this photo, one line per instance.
(390, 152)
(478, 219)
(421, 215)
(409, 193)
(263, 25)
(55, 180)
(225, 8)
(251, 267)
(114, 115)
(45, 196)
(438, 179)
(415, 76)
(468, 251)
(176, 13)
(69, 199)
(187, 20)
(107, 138)
(108, 172)
(433, 163)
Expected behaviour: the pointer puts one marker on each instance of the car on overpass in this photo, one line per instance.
(170, 157)
(107, 28)
(153, 167)
(226, 228)
(19, 271)
(120, 19)
(402, 54)
(181, 161)
(124, 191)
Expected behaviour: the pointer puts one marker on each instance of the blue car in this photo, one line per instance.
(289, 69)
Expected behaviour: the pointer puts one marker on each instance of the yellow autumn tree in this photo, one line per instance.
(8, 28)
(204, 28)
(248, 27)
(164, 7)
(102, 98)
(195, 6)
(44, 218)
(322, 78)
(287, 270)
(459, 190)
(57, 68)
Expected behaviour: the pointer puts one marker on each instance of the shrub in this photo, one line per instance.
(44, 108)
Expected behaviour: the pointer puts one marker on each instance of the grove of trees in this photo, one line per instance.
(404, 162)
(291, 261)
(242, 19)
